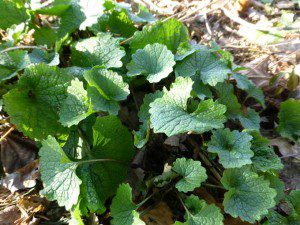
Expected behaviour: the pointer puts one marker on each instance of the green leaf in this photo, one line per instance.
(154, 61)
(201, 90)
(123, 210)
(193, 174)
(76, 215)
(16, 33)
(293, 200)
(264, 156)
(119, 23)
(102, 50)
(169, 113)
(225, 55)
(171, 33)
(242, 82)
(12, 62)
(141, 137)
(75, 14)
(76, 107)
(105, 89)
(206, 65)
(58, 174)
(275, 183)
(227, 97)
(144, 15)
(38, 56)
(89, 190)
(251, 120)
(249, 195)
(93, 10)
(108, 145)
(274, 218)
(293, 216)
(199, 212)
(73, 145)
(232, 147)
(33, 105)
(45, 36)
(11, 14)
(289, 120)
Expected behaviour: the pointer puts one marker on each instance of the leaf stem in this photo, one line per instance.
(213, 186)
(184, 206)
(205, 159)
(100, 160)
(22, 47)
(145, 200)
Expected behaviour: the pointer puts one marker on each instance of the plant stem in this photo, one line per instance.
(145, 200)
(213, 186)
(100, 160)
(205, 159)
(182, 203)
(22, 47)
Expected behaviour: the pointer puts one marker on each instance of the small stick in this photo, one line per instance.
(205, 160)
(283, 58)
(290, 155)
(239, 20)
(7, 133)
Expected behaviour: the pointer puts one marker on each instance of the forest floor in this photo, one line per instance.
(263, 37)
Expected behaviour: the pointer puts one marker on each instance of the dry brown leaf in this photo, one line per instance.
(33, 204)
(22, 178)
(9, 215)
(235, 221)
(286, 148)
(17, 152)
(242, 5)
(161, 214)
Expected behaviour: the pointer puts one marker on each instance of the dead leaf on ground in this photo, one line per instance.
(258, 71)
(285, 148)
(22, 178)
(291, 160)
(161, 214)
(16, 152)
(235, 221)
(175, 140)
(33, 204)
(9, 215)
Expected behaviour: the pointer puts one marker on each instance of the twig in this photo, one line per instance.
(290, 155)
(184, 206)
(155, 8)
(234, 17)
(205, 160)
(258, 4)
(208, 28)
(22, 47)
(204, 12)
(7, 133)
(283, 58)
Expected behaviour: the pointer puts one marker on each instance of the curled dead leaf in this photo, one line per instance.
(22, 178)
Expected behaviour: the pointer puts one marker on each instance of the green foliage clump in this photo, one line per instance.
(75, 93)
